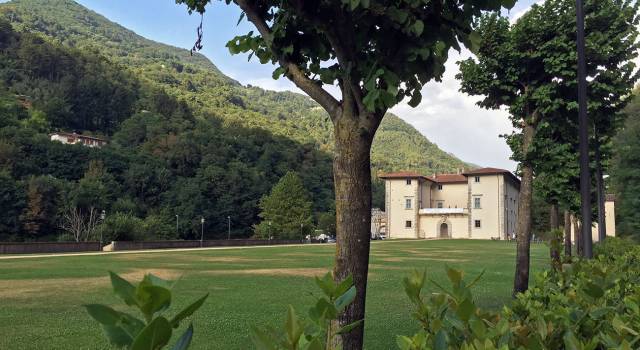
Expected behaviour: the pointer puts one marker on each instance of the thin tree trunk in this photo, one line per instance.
(602, 227)
(579, 241)
(554, 242)
(567, 233)
(523, 229)
(352, 178)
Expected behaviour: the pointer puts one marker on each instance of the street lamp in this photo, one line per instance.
(301, 234)
(229, 227)
(103, 215)
(269, 232)
(201, 231)
(177, 226)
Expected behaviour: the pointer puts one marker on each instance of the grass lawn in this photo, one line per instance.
(41, 298)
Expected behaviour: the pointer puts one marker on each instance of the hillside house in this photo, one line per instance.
(73, 138)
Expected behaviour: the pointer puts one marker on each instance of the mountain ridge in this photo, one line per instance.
(195, 79)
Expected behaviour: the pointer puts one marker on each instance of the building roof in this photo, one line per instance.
(80, 136)
(491, 171)
(448, 178)
(402, 175)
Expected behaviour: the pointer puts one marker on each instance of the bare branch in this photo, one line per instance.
(315, 91)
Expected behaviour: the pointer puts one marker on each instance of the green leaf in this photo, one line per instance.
(327, 284)
(187, 311)
(241, 18)
(344, 286)
(593, 290)
(263, 340)
(418, 27)
(455, 276)
(348, 328)
(354, 4)
(345, 299)
(293, 327)
(154, 336)
(466, 309)
(315, 344)
(123, 289)
(440, 341)
(103, 314)
(152, 298)
(185, 339)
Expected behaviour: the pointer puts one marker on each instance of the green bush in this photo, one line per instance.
(152, 296)
(590, 304)
(122, 227)
(614, 246)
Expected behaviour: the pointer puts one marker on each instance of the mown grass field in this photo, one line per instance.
(41, 298)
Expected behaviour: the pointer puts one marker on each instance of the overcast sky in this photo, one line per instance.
(446, 116)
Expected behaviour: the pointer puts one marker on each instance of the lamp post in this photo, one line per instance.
(177, 227)
(583, 133)
(201, 230)
(229, 227)
(103, 215)
(269, 231)
(301, 234)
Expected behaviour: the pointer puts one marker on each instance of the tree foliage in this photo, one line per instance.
(286, 211)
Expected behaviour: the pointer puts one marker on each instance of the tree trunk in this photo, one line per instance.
(554, 242)
(523, 229)
(567, 233)
(352, 178)
(602, 227)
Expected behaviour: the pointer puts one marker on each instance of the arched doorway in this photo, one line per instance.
(444, 230)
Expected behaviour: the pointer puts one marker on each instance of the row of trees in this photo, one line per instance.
(529, 67)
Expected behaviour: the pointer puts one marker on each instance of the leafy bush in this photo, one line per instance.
(122, 227)
(614, 246)
(152, 296)
(314, 332)
(591, 304)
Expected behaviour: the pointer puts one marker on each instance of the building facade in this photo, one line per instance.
(477, 204)
(73, 138)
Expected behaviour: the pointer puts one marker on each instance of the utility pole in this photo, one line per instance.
(229, 227)
(583, 122)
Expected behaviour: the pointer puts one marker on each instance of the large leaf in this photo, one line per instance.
(154, 336)
(187, 311)
(123, 289)
(345, 299)
(185, 339)
(152, 299)
(103, 314)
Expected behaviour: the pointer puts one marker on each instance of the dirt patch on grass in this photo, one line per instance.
(304, 272)
(63, 286)
(395, 259)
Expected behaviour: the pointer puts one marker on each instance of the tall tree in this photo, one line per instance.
(286, 211)
(377, 52)
(626, 172)
(530, 67)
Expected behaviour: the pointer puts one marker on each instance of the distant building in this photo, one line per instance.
(477, 204)
(73, 138)
(378, 223)
(609, 217)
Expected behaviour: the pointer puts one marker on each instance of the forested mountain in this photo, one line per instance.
(185, 139)
(196, 80)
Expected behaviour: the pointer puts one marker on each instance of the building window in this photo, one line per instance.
(476, 203)
(407, 203)
(477, 224)
(440, 187)
(407, 224)
(477, 178)
(440, 205)
(408, 181)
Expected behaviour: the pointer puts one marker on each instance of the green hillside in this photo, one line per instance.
(196, 80)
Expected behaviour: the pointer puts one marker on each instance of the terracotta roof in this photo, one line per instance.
(448, 178)
(491, 171)
(486, 171)
(401, 175)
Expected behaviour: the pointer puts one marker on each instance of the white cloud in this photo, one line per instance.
(454, 122)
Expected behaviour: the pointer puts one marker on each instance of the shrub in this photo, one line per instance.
(122, 227)
(152, 296)
(591, 304)
(614, 246)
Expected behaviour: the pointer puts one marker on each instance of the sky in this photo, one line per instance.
(447, 117)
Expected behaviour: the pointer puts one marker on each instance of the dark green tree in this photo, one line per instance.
(12, 203)
(43, 202)
(377, 52)
(286, 212)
